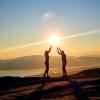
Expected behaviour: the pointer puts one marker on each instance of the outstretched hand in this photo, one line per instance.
(51, 46)
(58, 48)
(50, 49)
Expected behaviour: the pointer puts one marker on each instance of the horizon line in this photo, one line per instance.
(50, 56)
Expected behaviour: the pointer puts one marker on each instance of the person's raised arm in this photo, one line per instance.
(50, 49)
(59, 52)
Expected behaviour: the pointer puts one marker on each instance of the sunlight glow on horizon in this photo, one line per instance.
(55, 39)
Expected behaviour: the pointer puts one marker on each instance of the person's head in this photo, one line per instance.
(62, 52)
(46, 52)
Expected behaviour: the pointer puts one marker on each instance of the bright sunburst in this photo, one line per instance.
(54, 40)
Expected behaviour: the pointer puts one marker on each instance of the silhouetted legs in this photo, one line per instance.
(64, 71)
(46, 73)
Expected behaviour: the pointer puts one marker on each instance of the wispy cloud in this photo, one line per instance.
(46, 41)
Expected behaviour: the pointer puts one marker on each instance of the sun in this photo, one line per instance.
(54, 40)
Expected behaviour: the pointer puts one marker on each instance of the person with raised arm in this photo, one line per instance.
(46, 54)
(64, 61)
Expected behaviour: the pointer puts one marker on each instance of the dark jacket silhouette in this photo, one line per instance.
(46, 54)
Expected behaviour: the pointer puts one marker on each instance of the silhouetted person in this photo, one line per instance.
(46, 54)
(64, 61)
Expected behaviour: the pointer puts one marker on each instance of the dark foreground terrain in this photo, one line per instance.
(81, 86)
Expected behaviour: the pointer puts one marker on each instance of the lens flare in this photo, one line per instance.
(54, 40)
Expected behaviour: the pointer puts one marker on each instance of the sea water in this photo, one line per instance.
(39, 72)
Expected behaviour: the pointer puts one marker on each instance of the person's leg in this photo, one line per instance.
(48, 70)
(64, 70)
(65, 73)
(44, 73)
(45, 70)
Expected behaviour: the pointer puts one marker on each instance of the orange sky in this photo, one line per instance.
(31, 21)
(73, 47)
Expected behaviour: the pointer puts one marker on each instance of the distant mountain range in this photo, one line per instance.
(37, 61)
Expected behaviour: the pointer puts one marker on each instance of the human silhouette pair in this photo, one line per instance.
(64, 62)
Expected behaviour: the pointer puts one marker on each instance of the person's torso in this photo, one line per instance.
(46, 57)
(64, 58)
